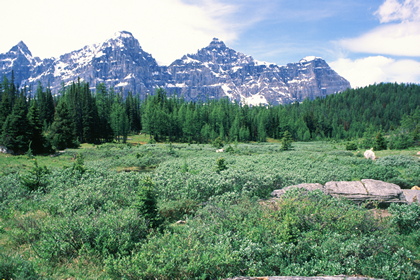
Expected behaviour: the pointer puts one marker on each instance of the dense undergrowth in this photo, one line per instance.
(110, 212)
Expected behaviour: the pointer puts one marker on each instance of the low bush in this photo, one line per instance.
(14, 267)
(406, 217)
(303, 234)
(84, 220)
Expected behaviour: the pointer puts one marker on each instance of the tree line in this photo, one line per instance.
(43, 122)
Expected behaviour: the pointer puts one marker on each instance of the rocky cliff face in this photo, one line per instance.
(20, 61)
(216, 71)
(213, 72)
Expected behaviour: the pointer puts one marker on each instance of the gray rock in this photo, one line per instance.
(366, 190)
(352, 190)
(5, 150)
(412, 195)
(382, 191)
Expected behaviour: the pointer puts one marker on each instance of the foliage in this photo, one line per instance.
(380, 142)
(63, 131)
(79, 115)
(220, 165)
(146, 203)
(351, 146)
(304, 234)
(406, 217)
(286, 141)
(36, 179)
(93, 216)
(218, 143)
(14, 267)
(400, 141)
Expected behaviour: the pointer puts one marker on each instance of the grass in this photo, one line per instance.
(180, 170)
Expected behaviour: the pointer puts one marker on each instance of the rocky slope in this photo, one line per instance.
(213, 72)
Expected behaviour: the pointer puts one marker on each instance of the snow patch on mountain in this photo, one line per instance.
(213, 72)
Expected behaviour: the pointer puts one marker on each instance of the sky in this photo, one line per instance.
(365, 41)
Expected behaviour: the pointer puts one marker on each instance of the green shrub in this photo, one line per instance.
(400, 141)
(92, 233)
(174, 210)
(303, 234)
(406, 217)
(398, 161)
(146, 203)
(218, 143)
(14, 267)
(375, 171)
(36, 179)
(351, 146)
(220, 165)
(286, 141)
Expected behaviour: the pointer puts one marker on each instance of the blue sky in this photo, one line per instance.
(365, 41)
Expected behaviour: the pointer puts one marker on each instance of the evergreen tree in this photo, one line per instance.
(83, 111)
(36, 179)
(38, 142)
(155, 118)
(104, 100)
(15, 132)
(380, 142)
(8, 96)
(119, 121)
(286, 141)
(63, 131)
(133, 112)
(45, 104)
(146, 203)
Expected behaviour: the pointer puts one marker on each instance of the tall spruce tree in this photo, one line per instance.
(8, 96)
(45, 104)
(119, 121)
(39, 143)
(104, 100)
(63, 131)
(15, 131)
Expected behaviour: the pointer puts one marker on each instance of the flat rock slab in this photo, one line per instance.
(305, 278)
(358, 191)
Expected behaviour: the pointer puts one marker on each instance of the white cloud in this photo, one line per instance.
(394, 10)
(401, 39)
(377, 69)
(397, 36)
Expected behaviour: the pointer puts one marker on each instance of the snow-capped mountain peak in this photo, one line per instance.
(309, 59)
(214, 71)
(21, 48)
(123, 34)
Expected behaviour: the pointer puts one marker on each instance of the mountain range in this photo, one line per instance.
(213, 72)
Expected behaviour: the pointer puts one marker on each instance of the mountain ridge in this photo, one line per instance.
(213, 72)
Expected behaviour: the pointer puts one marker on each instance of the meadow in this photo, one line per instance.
(111, 211)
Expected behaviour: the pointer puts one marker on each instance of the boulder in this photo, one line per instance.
(412, 195)
(369, 154)
(352, 190)
(366, 190)
(383, 191)
(5, 150)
